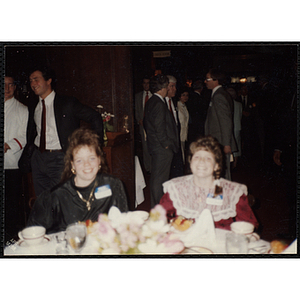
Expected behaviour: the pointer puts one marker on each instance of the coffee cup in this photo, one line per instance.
(33, 235)
(245, 228)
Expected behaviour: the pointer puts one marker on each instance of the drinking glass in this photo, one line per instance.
(236, 243)
(76, 236)
(61, 243)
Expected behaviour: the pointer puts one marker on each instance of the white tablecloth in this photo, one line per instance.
(49, 248)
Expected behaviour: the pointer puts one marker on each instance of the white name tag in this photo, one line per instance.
(214, 201)
(103, 191)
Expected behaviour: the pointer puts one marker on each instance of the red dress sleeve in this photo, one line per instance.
(244, 211)
(167, 203)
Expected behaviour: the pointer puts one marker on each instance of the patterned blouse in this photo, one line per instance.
(183, 197)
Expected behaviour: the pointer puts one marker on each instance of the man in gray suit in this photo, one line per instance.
(219, 119)
(140, 99)
(162, 136)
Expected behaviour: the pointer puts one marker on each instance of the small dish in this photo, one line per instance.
(22, 243)
(196, 250)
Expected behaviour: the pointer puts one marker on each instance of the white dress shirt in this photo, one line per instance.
(144, 97)
(173, 108)
(16, 118)
(52, 140)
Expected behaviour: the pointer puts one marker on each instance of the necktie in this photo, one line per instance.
(43, 128)
(146, 98)
(170, 107)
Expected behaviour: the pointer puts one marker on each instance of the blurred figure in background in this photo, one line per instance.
(219, 119)
(162, 136)
(140, 100)
(197, 107)
(252, 133)
(15, 123)
(177, 168)
(237, 126)
(183, 115)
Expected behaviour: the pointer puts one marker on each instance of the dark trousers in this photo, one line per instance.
(47, 169)
(14, 204)
(160, 172)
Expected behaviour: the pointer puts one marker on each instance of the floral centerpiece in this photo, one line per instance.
(135, 232)
(106, 117)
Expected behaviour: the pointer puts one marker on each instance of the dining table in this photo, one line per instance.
(53, 243)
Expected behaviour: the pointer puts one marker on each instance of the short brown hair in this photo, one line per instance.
(82, 137)
(158, 82)
(210, 144)
(217, 74)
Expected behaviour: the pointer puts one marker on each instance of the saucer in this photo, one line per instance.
(196, 250)
(21, 243)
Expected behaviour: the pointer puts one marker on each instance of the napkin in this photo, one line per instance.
(139, 183)
(201, 233)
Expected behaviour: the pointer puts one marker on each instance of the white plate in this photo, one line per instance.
(196, 250)
(22, 243)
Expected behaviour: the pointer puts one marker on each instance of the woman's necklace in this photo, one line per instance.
(91, 197)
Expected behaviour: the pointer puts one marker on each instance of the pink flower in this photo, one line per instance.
(171, 244)
(105, 230)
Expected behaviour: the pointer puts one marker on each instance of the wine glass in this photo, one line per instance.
(76, 236)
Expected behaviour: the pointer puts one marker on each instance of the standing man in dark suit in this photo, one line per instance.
(162, 136)
(177, 167)
(219, 119)
(63, 116)
(197, 107)
(140, 99)
(249, 132)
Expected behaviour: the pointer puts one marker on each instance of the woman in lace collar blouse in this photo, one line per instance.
(189, 195)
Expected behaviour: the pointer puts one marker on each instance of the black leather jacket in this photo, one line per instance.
(57, 208)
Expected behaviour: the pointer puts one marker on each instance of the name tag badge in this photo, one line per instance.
(103, 191)
(214, 201)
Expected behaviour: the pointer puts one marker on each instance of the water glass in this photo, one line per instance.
(76, 236)
(236, 243)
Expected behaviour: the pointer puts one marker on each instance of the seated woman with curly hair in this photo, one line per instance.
(189, 195)
(85, 191)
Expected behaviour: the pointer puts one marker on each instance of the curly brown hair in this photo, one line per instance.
(210, 144)
(82, 137)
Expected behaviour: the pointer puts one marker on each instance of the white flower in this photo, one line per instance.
(154, 228)
(132, 217)
(158, 213)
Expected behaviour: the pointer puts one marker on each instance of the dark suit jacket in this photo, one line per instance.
(160, 126)
(197, 106)
(68, 114)
(219, 120)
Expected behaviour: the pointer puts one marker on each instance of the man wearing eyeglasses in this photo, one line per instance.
(219, 119)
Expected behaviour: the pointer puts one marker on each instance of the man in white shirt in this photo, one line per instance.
(63, 116)
(16, 117)
(140, 99)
